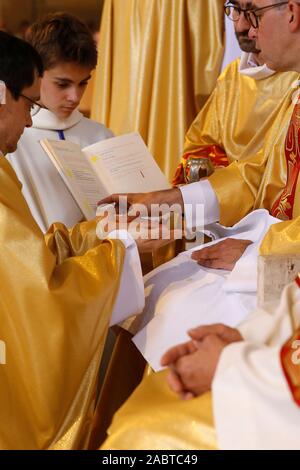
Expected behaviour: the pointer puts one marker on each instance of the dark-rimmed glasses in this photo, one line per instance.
(254, 18)
(234, 12)
(35, 106)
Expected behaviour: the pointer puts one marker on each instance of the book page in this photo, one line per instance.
(82, 182)
(127, 165)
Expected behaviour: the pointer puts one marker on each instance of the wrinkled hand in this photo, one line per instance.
(193, 364)
(168, 196)
(192, 375)
(133, 212)
(149, 245)
(222, 255)
(226, 333)
(149, 235)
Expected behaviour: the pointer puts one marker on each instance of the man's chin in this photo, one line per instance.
(248, 46)
(15, 146)
(10, 149)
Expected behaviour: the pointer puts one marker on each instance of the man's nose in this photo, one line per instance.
(242, 23)
(252, 34)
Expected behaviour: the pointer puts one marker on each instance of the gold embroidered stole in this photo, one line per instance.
(283, 207)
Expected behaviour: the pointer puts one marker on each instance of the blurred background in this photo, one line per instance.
(16, 15)
(158, 62)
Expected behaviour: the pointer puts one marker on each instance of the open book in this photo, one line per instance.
(118, 165)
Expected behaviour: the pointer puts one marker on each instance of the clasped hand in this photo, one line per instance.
(192, 365)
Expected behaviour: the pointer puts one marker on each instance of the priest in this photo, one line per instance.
(243, 106)
(58, 294)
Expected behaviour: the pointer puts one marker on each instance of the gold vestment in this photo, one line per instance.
(56, 301)
(236, 118)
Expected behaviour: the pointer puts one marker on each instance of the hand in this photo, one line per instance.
(222, 255)
(170, 358)
(168, 196)
(193, 374)
(149, 235)
(150, 245)
(226, 333)
(183, 360)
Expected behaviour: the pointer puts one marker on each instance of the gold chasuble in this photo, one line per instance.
(269, 178)
(282, 239)
(236, 118)
(56, 301)
(155, 418)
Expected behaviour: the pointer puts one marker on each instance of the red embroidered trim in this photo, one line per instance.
(283, 207)
(290, 368)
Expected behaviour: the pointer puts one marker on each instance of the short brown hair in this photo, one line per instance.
(60, 37)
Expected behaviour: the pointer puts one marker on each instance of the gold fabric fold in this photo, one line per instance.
(154, 418)
(237, 116)
(282, 239)
(55, 311)
(259, 179)
(158, 64)
(239, 113)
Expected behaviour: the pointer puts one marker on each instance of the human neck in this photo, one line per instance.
(257, 59)
(295, 67)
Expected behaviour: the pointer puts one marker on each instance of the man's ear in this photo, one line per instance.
(2, 92)
(294, 16)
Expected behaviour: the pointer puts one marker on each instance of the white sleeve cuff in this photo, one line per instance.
(201, 205)
(130, 299)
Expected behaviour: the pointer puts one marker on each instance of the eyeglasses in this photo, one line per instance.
(234, 12)
(254, 18)
(35, 106)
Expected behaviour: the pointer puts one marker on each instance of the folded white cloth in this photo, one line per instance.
(181, 294)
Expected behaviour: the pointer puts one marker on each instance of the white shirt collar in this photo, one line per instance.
(250, 67)
(45, 119)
